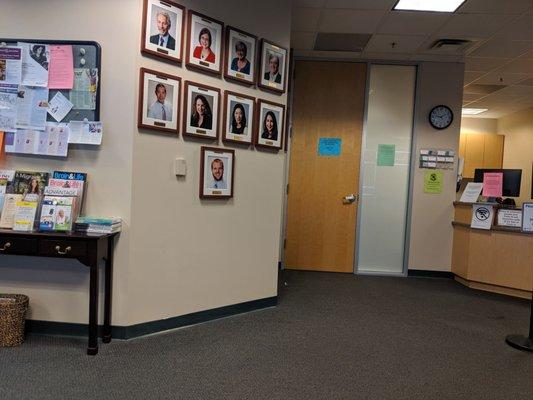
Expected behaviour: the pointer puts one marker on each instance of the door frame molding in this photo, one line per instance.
(290, 101)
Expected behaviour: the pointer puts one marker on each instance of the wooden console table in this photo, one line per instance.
(87, 249)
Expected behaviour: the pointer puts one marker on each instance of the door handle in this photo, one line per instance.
(350, 198)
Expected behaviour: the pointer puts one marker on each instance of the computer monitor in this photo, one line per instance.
(511, 180)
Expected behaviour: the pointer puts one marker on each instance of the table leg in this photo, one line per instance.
(92, 349)
(108, 289)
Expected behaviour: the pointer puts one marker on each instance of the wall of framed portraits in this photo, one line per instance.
(215, 246)
(182, 249)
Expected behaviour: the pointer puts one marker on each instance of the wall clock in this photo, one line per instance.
(440, 117)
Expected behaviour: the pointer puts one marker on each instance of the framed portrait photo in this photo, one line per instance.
(204, 50)
(159, 101)
(217, 168)
(163, 27)
(270, 124)
(239, 118)
(273, 67)
(202, 106)
(241, 56)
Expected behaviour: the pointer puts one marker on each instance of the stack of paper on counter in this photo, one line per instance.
(90, 224)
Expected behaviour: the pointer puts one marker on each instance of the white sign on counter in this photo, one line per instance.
(482, 216)
(512, 218)
(527, 217)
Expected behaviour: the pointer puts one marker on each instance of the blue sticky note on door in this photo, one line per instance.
(329, 147)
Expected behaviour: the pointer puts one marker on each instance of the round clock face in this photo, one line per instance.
(440, 117)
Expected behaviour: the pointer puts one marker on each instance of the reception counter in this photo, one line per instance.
(499, 260)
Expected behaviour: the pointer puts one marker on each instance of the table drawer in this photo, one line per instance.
(16, 245)
(62, 248)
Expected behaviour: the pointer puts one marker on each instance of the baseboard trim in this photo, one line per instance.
(146, 328)
(423, 273)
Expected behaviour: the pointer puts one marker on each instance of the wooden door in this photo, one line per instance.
(328, 103)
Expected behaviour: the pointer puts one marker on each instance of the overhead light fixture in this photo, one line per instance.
(428, 5)
(473, 111)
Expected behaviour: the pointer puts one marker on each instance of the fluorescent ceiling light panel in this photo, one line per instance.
(473, 111)
(429, 5)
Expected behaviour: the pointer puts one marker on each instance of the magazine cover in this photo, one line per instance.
(29, 182)
(71, 183)
(72, 176)
(56, 213)
(9, 176)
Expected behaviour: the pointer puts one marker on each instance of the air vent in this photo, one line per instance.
(450, 45)
(353, 42)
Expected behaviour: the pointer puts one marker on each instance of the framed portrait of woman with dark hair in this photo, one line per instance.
(241, 55)
(204, 50)
(202, 105)
(162, 30)
(239, 118)
(270, 124)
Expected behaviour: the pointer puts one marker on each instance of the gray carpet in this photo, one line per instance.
(331, 337)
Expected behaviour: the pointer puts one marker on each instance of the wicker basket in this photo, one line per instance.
(13, 309)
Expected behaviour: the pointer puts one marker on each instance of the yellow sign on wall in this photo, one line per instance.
(433, 182)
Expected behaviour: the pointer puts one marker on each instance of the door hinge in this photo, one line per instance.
(287, 188)
(284, 243)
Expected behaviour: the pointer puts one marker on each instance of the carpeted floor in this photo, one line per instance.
(331, 337)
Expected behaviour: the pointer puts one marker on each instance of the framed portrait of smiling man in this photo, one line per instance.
(163, 27)
(204, 50)
(239, 118)
(217, 168)
(273, 66)
(159, 101)
(202, 108)
(270, 125)
(240, 59)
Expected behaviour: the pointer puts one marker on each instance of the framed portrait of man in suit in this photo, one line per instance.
(163, 27)
(273, 67)
(159, 101)
(217, 167)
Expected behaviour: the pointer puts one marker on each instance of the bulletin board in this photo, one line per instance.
(93, 59)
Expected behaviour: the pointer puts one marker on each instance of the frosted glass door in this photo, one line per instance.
(385, 170)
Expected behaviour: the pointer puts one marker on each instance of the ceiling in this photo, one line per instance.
(500, 51)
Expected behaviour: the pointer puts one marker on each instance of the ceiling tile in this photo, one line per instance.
(328, 55)
(412, 23)
(519, 29)
(473, 25)
(495, 6)
(520, 65)
(362, 4)
(402, 43)
(496, 78)
(467, 98)
(472, 76)
(349, 21)
(385, 56)
(437, 57)
(518, 90)
(305, 19)
(484, 64)
(303, 40)
(503, 48)
(308, 3)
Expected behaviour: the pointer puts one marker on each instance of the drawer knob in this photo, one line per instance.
(59, 251)
(6, 246)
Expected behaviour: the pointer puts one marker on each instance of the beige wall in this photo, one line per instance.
(479, 125)
(518, 150)
(177, 254)
(431, 230)
(59, 290)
